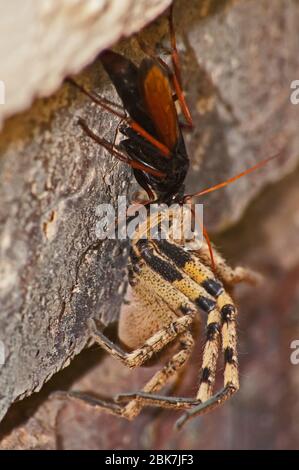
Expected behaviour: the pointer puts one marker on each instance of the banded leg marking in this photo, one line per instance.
(153, 345)
(160, 378)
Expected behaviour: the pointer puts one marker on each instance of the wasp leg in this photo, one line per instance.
(100, 100)
(117, 153)
(177, 81)
(108, 106)
(174, 74)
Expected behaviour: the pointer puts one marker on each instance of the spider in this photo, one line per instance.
(171, 286)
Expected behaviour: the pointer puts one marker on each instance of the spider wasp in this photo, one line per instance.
(170, 285)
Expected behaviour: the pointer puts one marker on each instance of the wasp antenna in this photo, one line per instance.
(207, 238)
(233, 178)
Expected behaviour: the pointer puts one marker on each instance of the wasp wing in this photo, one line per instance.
(157, 96)
(124, 75)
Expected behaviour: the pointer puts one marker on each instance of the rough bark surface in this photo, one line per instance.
(239, 59)
(55, 273)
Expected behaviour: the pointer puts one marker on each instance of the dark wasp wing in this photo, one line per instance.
(124, 75)
(158, 101)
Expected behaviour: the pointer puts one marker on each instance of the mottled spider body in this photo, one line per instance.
(171, 288)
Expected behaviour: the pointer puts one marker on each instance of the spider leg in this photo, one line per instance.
(153, 345)
(231, 375)
(160, 401)
(216, 400)
(230, 276)
(100, 405)
(160, 378)
(133, 407)
(208, 373)
(221, 321)
(241, 274)
(223, 317)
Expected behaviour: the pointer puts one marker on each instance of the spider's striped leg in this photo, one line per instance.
(160, 378)
(231, 375)
(241, 274)
(208, 373)
(221, 317)
(168, 260)
(205, 401)
(153, 345)
(227, 324)
(230, 276)
(137, 358)
(226, 317)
